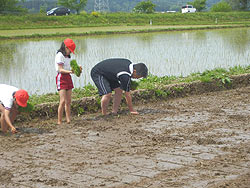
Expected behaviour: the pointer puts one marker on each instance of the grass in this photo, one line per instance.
(63, 32)
(152, 82)
(31, 21)
(86, 91)
(41, 26)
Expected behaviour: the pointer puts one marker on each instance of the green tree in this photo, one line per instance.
(221, 7)
(145, 7)
(245, 4)
(9, 6)
(239, 4)
(199, 4)
(77, 5)
(43, 9)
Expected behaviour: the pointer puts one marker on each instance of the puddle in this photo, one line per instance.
(151, 111)
(124, 112)
(22, 131)
(29, 130)
(100, 117)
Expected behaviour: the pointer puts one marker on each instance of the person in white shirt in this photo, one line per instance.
(64, 82)
(10, 98)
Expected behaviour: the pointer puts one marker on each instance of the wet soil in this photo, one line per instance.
(194, 141)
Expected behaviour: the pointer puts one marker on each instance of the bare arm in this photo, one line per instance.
(8, 120)
(129, 103)
(62, 70)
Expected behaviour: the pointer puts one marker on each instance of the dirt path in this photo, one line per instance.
(196, 141)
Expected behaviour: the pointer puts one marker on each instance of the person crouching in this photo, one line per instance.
(115, 74)
(10, 98)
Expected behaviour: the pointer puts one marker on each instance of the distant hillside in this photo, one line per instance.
(113, 5)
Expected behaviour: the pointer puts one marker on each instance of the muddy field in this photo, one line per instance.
(196, 141)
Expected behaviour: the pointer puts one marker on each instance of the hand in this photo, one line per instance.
(13, 130)
(72, 72)
(134, 113)
(80, 68)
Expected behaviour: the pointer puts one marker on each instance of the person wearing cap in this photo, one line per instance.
(63, 79)
(10, 98)
(115, 74)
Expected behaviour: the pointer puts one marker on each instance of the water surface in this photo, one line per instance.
(29, 64)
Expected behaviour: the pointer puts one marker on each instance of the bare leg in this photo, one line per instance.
(68, 105)
(117, 100)
(62, 94)
(104, 103)
(2, 120)
(14, 112)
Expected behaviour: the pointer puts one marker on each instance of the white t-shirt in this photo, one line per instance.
(60, 59)
(6, 95)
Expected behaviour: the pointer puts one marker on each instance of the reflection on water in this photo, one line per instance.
(29, 64)
(239, 42)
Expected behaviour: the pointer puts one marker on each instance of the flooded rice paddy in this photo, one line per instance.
(29, 64)
(196, 141)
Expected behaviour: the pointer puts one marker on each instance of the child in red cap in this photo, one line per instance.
(10, 98)
(63, 79)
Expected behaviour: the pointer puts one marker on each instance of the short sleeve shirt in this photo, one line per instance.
(60, 59)
(116, 70)
(6, 95)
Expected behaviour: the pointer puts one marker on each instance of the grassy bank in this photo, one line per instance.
(8, 22)
(42, 26)
(84, 31)
(154, 83)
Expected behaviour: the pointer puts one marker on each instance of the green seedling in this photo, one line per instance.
(134, 85)
(75, 67)
(29, 108)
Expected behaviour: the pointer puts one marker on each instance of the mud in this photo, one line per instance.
(194, 141)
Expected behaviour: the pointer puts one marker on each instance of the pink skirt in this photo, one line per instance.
(64, 82)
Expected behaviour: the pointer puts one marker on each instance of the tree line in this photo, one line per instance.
(34, 6)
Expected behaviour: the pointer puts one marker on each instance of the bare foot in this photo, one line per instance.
(134, 113)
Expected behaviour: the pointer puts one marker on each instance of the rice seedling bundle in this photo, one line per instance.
(75, 67)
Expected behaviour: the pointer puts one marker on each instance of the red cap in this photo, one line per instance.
(21, 97)
(69, 43)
